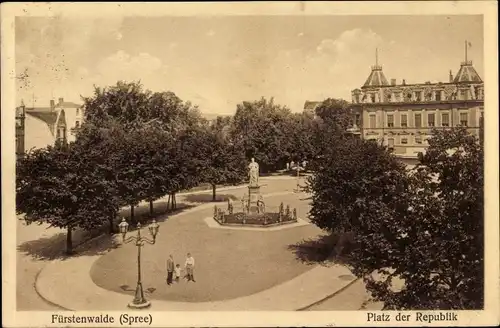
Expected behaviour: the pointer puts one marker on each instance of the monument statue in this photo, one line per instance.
(253, 173)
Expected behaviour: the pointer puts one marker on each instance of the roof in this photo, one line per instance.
(467, 73)
(51, 118)
(48, 117)
(39, 109)
(376, 78)
(311, 104)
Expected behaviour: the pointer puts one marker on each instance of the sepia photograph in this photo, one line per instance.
(183, 162)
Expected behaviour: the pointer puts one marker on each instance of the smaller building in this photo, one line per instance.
(73, 113)
(20, 120)
(39, 127)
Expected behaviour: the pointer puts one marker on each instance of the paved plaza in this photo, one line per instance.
(235, 269)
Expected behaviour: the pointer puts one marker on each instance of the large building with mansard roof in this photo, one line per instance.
(402, 115)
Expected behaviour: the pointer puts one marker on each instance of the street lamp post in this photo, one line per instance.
(139, 301)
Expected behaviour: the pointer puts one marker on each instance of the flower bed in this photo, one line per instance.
(264, 219)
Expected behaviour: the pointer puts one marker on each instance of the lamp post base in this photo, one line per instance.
(144, 305)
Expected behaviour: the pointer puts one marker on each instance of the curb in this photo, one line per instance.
(60, 307)
(329, 296)
(35, 282)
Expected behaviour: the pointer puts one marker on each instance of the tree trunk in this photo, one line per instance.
(69, 241)
(111, 221)
(168, 202)
(174, 203)
(214, 187)
(132, 217)
(151, 208)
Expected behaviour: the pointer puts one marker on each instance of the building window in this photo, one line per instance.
(463, 119)
(77, 124)
(445, 119)
(390, 143)
(78, 111)
(418, 120)
(404, 141)
(390, 120)
(372, 121)
(58, 134)
(404, 120)
(358, 120)
(418, 95)
(431, 120)
(438, 95)
(372, 96)
(418, 140)
(463, 94)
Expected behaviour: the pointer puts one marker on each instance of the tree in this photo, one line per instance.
(126, 102)
(62, 186)
(185, 162)
(260, 128)
(154, 143)
(352, 178)
(447, 219)
(334, 117)
(141, 128)
(335, 112)
(223, 161)
(403, 219)
(133, 167)
(302, 136)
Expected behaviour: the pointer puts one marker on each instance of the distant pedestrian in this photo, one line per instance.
(190, 268)
(170, 269)
(177, 272)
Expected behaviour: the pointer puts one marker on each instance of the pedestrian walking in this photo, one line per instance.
(170, 269)
(190, 268)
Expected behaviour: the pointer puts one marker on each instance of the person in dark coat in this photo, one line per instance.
(170, 269)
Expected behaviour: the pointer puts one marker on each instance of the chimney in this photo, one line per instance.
(393, 81)
(61, 100)
(404, 82)
(52, 104)
(451, 76)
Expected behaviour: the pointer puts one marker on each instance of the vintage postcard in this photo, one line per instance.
(250, 164)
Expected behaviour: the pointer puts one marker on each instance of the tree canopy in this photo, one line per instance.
(402, 219)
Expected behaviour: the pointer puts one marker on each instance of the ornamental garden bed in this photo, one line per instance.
(265, 219)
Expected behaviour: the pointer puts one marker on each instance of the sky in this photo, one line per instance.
(217, 62)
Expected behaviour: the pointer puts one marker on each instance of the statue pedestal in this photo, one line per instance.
(253, 197)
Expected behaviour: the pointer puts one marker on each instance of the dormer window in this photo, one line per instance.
(418, 95)
(463, 94)
(372, 97)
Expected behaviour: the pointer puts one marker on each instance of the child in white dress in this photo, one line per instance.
(177, 272)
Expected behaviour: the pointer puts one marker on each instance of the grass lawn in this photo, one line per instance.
(229, 263)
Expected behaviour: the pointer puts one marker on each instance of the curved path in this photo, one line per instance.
(60, 277)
